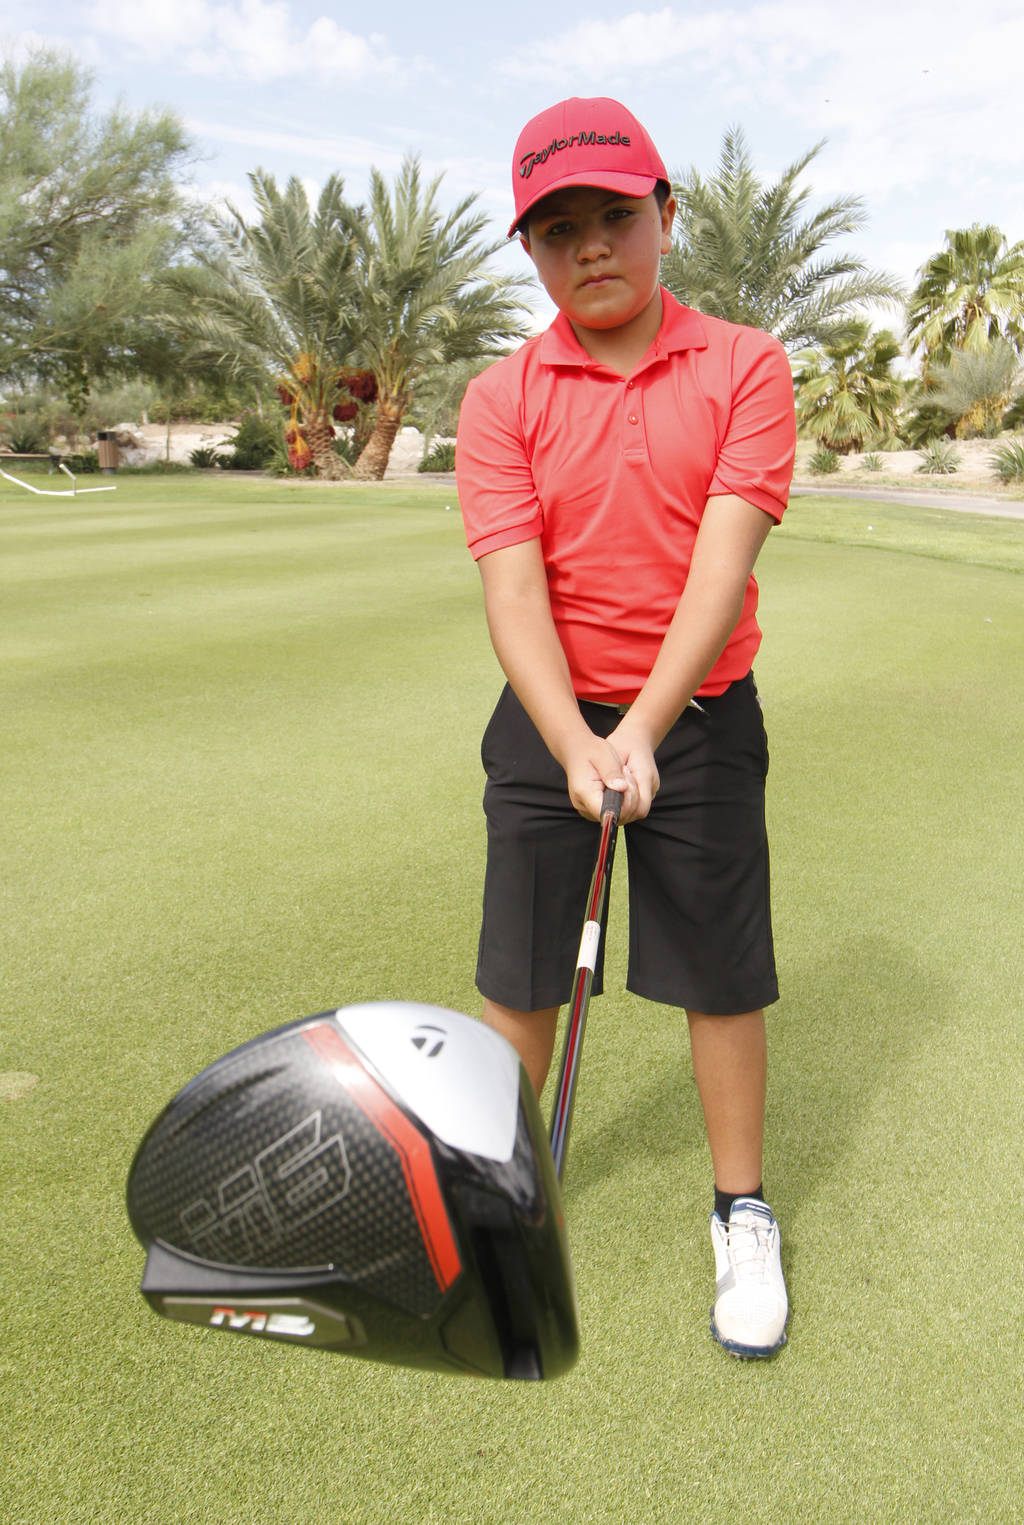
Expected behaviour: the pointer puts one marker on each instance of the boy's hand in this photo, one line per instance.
(591, 767)
(633, 745)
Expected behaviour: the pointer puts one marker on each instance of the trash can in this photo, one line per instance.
(106, 448)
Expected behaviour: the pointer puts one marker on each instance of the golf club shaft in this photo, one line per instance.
(579, 1001)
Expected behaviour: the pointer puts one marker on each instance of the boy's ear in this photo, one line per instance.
(668, 213)
(526, 244)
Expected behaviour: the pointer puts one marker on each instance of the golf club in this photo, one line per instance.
(374, 1181)
(579, 1001)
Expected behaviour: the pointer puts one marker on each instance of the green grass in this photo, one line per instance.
(938, 533)
(241, 783)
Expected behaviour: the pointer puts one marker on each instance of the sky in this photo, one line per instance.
(920, 103)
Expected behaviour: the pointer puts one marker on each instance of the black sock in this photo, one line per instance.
(725, 1199)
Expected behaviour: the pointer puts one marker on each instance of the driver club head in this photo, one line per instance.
(375, 1181)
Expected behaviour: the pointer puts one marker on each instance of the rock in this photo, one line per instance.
(406, 452)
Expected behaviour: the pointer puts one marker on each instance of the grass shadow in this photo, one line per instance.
(851, 1021)
(646, 1108)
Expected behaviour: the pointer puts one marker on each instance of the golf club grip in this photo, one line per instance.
(579, 1001)
(612, 801)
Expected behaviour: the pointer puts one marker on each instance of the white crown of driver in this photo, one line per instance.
(460, 1077)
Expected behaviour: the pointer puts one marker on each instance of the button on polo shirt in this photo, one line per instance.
(613, 473)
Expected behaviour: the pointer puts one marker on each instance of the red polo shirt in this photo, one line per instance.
(613, 473)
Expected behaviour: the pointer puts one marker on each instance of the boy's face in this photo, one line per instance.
(597, 253)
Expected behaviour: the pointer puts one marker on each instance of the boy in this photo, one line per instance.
(618, 476)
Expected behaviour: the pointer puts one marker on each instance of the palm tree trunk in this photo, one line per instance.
(373, 462)
(320, 437)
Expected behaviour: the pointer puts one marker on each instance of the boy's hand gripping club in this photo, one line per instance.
(561, 1118)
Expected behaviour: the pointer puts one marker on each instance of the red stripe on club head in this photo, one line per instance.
(408, 1143)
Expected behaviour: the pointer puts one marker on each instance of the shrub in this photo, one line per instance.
(157, 468)
(255, 445)
(872, 463)
(82, 465)
(939, 459)
(441, 458)
(1008, 462)
(204, 457)
(823, 462)
(26, 438)
(347, 447)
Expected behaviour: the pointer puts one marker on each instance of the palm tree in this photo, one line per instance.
(279, 294)
(968, 295)
(744, 252)
(425, 296)
(976, 388)
(847, 394)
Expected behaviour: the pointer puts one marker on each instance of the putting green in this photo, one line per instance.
(241, 784)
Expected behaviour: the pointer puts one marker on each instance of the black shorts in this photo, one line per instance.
(700, 932)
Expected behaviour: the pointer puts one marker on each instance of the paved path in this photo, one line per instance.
(1001, 508)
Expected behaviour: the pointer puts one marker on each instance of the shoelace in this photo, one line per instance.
(748, 1246)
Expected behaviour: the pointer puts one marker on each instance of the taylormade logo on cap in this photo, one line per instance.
(583, 142)
(528, 160)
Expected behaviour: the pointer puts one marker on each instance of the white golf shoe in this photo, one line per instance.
(751, 1306)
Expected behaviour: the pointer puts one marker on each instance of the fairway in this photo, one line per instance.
(241, 784)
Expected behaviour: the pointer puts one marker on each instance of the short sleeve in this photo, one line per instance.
(755, 461)
(497, 494)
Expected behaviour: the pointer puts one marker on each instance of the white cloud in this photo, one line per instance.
(898, 96)
(341, 151)
(355, 156)
(223, 195)
(249, 39)
(603, 50)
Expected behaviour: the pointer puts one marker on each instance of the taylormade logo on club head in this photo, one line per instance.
(585, 140)
(429, 1040)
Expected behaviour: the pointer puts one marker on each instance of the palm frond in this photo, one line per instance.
(426, 294)
(273, 289)
(745, 251)
(968, 295)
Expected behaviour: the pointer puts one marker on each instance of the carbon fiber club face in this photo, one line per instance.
(375, 1181)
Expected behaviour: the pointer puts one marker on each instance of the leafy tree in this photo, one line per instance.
(968, 295)
(744, 250)
(425, 296)
(976, 388)
(279, 294)
(847, 394)
(89, 209)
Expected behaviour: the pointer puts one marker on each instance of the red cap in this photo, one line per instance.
(583, 142)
